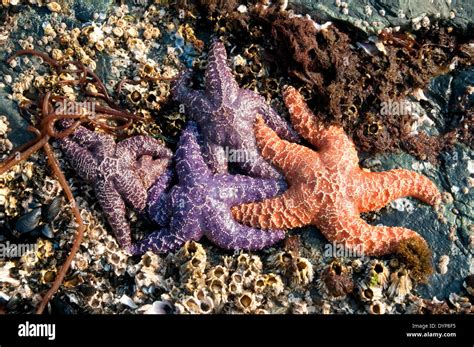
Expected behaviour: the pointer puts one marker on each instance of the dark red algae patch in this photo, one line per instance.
(350, 86)
(343, 83)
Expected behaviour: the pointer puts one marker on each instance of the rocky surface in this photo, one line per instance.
(374, 15)
(449, 233)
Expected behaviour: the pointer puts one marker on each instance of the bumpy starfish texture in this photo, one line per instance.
(328, 189)
(121, 173)
(199, 205)
(225, 115)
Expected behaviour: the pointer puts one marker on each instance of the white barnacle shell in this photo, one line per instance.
(5, 276)
(377, 307)
(274, 284)
(378, 274)
(369, 293)
(400, 285)
(54, 6)
(246, 302)
(304, 272)
(443, 264)
(236, 283)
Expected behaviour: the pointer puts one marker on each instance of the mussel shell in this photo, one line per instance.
(4, 233)
(29, 221)
(87, 290)
(47, 231)
(61, 306)
(51, 211)
(34, 204)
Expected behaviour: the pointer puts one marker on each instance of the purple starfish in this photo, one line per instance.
(200, 204)
(120, 172)
(226, 115)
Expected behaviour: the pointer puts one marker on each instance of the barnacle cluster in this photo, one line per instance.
(235, 285)
(5, 144)
(297, 269)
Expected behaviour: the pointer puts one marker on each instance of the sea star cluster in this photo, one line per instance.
(199, 205)
(121, 173)
(328, 189)
(225, 114)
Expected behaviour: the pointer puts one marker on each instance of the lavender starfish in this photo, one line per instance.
(226, 115)
(200, 204)
(120, 172)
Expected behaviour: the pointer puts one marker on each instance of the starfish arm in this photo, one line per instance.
(195, 100)
(160, 241)
(226, 233)
(257, 166)
(149, 169)
(141, 145)
(215, 157)
(280, 212)
(290, 158)
(92, 140)
(131, 188)
(80, 158)
(277, 123)
(331, 139)
(344, 226)
(114, 210)
(239, 189)
(182, 228)
(158, 201)
(189, 160)
(380, 188)
(220, 83)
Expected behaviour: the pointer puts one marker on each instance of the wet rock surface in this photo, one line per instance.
(373, 15)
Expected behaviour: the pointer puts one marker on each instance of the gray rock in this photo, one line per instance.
(449, 237)
(390, 13)
(85, 9)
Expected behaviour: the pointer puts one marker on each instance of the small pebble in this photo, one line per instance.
(443, 264)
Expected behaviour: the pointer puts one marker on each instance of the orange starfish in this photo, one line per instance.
(328, 189)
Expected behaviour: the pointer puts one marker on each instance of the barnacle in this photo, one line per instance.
(378, 274)
(400, 284)
(304, 272)
(135, 97)
(283, 262)
(259, 284)
(337, 279)
(236, 283)
(246, 302)
(377, 307)
(273, 284)
(249, 262)
(190, 305)
(220, 272)
(369, 293)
